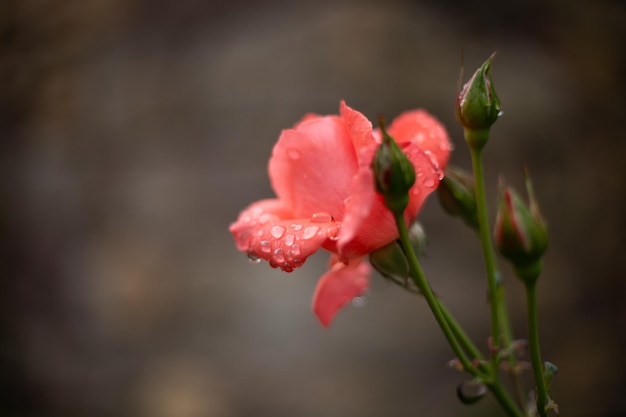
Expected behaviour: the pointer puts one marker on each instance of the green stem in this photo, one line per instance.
(485, 241)
(460, 335)
(451, 330)
(535, 352)
(500, 323)
(421, 283)
(504, 400)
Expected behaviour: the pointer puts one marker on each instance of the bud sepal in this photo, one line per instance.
(478, 106)
(457, 196)
(520, 233)
(394, 173)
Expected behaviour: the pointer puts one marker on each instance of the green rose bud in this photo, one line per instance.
(457, 197)
(520, 232)
(478, 106)
(393, 172)
(391, 262)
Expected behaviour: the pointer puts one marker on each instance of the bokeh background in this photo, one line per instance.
(134, 131)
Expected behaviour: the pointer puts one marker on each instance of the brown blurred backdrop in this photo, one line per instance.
(133, 131)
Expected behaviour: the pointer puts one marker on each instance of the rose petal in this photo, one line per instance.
(312, 166)
(263, 233)
(359, 127)
(338, 287)
(368, 224)
(420, 127)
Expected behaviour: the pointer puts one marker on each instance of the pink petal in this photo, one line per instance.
(368, 224)
(338, 287)
(359, 127)
(419, 127)
(312, 166)
(428, 175)
(266, 231)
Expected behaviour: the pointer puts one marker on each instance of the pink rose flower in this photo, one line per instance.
(321, 173)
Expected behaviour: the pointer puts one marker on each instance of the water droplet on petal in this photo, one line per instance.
(253, 259)
(296, 226)
(289, 240)
(359, 301)
(293, 154)
(420, 138)
(416, 191)
(293, 252)
(266, 246)
(309, 232)
(429, 182)
(333, 231)
(321, 217)
(277, 231)
(446, 146)
(278, 256)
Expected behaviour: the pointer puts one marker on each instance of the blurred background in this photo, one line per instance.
(134, 131)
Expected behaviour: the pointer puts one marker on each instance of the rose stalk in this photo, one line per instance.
(355, 192)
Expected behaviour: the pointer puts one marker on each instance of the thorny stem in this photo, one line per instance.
(455, 335)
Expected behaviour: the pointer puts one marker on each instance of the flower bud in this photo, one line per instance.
(390, 260)
(477, 105)
(457, 197)
(393, 172)
(520, 232)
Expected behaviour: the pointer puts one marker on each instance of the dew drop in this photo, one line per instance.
(416, 191)
(278, 256)
(296, 226)
(289, 240)
(445, 146)
(253, 259)
(277, 231)
(500, 113)
(321, 217)
(333, 231)
(429, 182)
(359, 301)
(309, 232)
(420, 138)
(293, 154)
(294, 251)
(264, 218)
(266, 246)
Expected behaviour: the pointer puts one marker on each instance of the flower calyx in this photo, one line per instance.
(394, 174)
